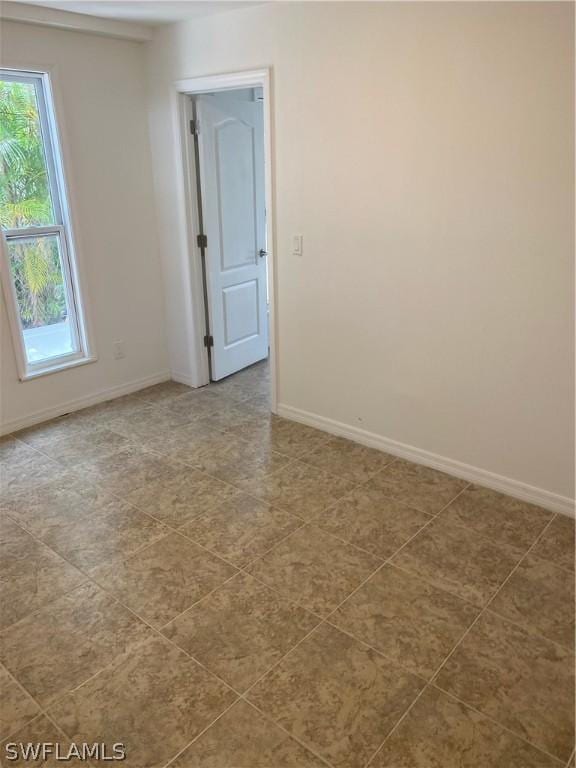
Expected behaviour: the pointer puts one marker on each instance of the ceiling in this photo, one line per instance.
(151, 12)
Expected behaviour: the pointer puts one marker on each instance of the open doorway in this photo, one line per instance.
(227, 163)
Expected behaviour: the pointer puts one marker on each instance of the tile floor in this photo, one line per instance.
(218, 588)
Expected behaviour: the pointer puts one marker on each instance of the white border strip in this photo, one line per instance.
(82, 402)
(552, 501)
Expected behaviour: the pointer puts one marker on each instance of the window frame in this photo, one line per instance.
(61, 229)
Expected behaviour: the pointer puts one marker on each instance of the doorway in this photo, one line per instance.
(228, 165)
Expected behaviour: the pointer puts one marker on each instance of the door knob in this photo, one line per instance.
(262, 253)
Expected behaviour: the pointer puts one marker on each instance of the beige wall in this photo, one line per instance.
(425, 151)
(100, 87)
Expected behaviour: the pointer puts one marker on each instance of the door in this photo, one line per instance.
(231, 167)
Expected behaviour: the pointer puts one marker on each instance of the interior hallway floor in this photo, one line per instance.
(218, 588)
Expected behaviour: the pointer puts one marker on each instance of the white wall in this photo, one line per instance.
(425, 151)
(100, 88)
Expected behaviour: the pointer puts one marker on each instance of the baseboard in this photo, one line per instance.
(183, 378)
(552, 501)
(82, 402)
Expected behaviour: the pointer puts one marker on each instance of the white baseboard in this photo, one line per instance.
(184, 378)
(552, 501)
(82, 402)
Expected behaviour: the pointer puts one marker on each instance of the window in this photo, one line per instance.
(38, 270)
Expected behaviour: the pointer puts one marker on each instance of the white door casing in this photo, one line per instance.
(231, 159)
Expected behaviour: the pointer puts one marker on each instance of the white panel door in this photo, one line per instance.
(231, 158)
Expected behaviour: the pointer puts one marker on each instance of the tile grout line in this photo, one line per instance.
(292, 736)
(41, 710)
(388, 560)
(321, 620)
(490, 719)
(459, 643)
(239, 695)
(292, 461)
(89, 573)
(89, 579)
(158, 635)
(172, 759)
(325, 619)
(266, 717)
(110, 664)
(304, 523)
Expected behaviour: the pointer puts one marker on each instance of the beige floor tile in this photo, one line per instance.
(187, 458)
(164, 579)
(497, 516)
(145, 423)
(337, 696)
(126, 470)
(557, 543)
(260, 390)
(286, 437)
(314, 569)
(370, 520)
(522, 681)
(540, 597)
(244, 738)
(31, 575)
(164, 392)
(200, 402)
(174, 499)
(260, 403)
(115, 531)
(241, 529)
(27, 744)
(41, 435)
(254, 380)
(187, 443)
(241, 630)
(420, 487)
(88, 444)
(299, 488)
(16, 706)
(61, 502)
(28, 472)
(155, 700)
(352, 461)
(235, 461)
(14, 452)
(228, 417)
(104, 414)
(233, 389)
(459, 560)
(68, 641)
(254, 373)
(406, 619)
(87, 528)
(440, 732)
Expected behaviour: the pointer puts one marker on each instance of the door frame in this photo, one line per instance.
(208, 84)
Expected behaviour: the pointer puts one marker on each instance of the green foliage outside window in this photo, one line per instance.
(25, 202)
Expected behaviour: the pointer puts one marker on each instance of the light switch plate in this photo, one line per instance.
(297, 245)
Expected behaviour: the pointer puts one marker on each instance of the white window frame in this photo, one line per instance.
(61, 228)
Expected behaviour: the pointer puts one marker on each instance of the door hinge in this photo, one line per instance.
(194, 127)
(208, 341)
(202, 241)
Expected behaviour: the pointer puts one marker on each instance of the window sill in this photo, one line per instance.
(57, 368)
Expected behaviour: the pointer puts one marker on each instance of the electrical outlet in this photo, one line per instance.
(119, 351)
